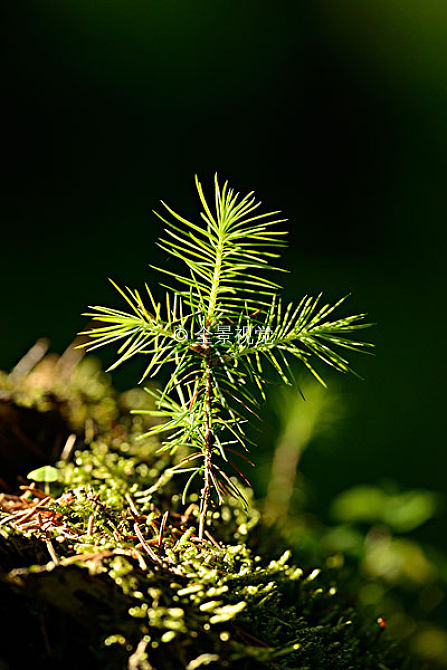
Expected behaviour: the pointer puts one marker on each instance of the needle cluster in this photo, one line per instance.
(221, 329)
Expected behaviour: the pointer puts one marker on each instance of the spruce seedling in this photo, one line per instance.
(221, 327)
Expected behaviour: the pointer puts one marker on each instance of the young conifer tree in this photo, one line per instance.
(220, 328)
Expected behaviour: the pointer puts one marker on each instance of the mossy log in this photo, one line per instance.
(106, 569)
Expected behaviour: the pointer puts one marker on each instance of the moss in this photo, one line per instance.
(109, 570)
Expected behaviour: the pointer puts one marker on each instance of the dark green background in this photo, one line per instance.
(333, 112)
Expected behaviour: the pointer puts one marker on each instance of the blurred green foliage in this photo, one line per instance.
(373, 536)
(402, 512)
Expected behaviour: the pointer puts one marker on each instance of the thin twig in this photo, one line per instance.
(187, 513)
(93, 556)
(162, 527)
(68, 447)
(90, 525)
(133, 509)
(211, 539)
(208, 436)
(145, 546)
(32, 489)
(29, 360)
(51, 551)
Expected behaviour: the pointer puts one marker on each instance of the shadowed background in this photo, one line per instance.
(335, 114)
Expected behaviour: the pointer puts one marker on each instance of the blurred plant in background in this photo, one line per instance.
(299, 423)
(373, 537)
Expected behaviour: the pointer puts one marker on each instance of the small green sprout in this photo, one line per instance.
(222, 330)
